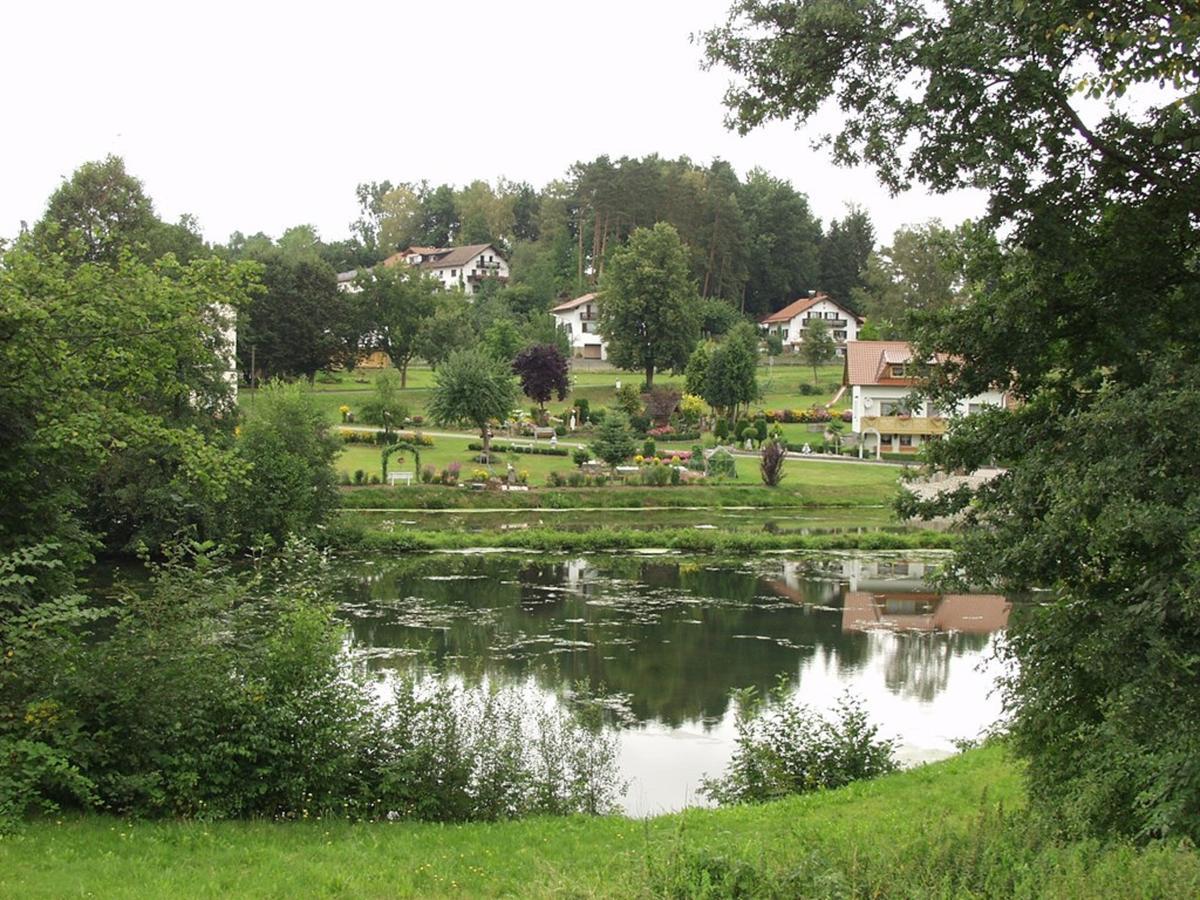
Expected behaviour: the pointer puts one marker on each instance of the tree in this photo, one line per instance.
(695, 373)
(845, 249)
(816, 345)
(613, 441)
(393, 304)
(386, 407)
(447, 330)
(289, 451)
(298, 325)
(922, 269)
(502, 339)
(783, 243)
(770, 463)
(473, 388)
(648, 308)
(730, 377)
(543, 371)
(1086, 311)
(116, 408)
(103, 210)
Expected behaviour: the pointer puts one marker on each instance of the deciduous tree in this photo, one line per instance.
(392, 305)
(543, 371)
(473, 388)
(648, 308)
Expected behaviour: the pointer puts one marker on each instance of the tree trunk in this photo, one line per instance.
(649, 376)
(486, 434)
(404, 374)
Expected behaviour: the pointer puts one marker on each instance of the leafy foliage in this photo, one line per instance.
(386, 407)
(783, 748)
(393, 304)
(816, 345)
(473, 387)
(613, 440)
(543, 371)
(648, 315)
(731, 371)
(770, 462)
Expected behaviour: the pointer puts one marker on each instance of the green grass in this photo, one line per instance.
(780, 385)
(814, 484)
(951, 829)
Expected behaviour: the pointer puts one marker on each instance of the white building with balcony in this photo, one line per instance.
(790, 322)
(580, 318)
(465, 268)
(882, 375)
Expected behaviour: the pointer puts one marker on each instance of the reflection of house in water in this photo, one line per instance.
(923, 611)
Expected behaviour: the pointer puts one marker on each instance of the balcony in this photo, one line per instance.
(588, 317)
(903, 424)
(491, 270)
(830, 323)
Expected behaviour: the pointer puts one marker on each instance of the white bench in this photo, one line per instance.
(405, 478)
(540, 432)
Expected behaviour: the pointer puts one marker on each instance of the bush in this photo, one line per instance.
(360, 477)
(784, 747)
(576, 479)
(428, 473)
(771, 463)
(582, 405)
(656, 475)
(535, 450)
(721, 429)
(219, 694)
(808, 390)
(648, 447)
(580, 456)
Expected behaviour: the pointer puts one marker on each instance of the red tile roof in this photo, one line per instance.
(796, 307)
(866, 360)
(569, 305)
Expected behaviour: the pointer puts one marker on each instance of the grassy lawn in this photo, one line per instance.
(932, 831)
(780, 384)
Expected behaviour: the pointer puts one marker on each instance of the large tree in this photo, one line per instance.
(1087, 312)
(392, 305)
(783, 242)
(648, 309)
(473, 388)
(730, 377)
(923, 269)
(845, 249)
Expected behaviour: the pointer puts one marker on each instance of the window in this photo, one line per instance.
(885, 439)
(893, 408)
(973, 408)
(839, 335)
(906, 440)
(898, 371)
(583, 327)
(453, 272)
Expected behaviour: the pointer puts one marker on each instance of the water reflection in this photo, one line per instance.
(677, 636)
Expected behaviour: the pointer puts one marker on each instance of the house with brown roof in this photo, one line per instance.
(465, 268)
(789, 323)
(579, 318)
(882, 375)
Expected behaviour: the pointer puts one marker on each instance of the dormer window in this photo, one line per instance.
(898, 371)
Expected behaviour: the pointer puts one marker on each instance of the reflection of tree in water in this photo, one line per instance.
(677, 636)
(918, 664)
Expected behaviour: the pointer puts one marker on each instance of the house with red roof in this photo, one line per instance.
(882, 376)
(789, 323)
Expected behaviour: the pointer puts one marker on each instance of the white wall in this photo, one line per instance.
(573, 318)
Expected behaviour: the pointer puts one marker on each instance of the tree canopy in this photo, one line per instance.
(1086, 311)
(393, 304)
(543, 371)
(648, 310)
(472, 387)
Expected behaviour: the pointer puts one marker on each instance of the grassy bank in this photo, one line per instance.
(345, 536)
(951, 829)
(808, 484)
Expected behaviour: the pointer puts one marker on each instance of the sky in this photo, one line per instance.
(257, 116)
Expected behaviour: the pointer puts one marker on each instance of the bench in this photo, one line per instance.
(543, 432)
(522, 445)
(405, 478)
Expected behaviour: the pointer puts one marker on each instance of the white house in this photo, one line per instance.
(789, 323)
(881, 375)
(579, 318)
(454, 267)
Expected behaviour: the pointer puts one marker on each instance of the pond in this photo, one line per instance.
(668, 639)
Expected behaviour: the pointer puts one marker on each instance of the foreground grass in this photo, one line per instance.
(952, 829)
(808, 484)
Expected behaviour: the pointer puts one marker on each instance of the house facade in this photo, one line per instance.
(465, 268)
(791, 321)
(580, 318)
(881, 376)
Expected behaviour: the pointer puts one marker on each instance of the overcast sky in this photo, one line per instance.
(256, 116)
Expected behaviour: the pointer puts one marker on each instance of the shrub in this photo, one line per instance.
(721, 429)
(648, 447)
(582, 405)
(675, 476)
(576, 479)
(655, 475)
(760, 428)
(783, 747)
(360, 477)
(375, 479)
(613, 441)
(771, 463)
(222, 694)
(580, 456)
(555, 480)
(535, 450)
(428, 473)
(808, 389)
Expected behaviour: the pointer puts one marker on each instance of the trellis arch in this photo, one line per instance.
(401, 447)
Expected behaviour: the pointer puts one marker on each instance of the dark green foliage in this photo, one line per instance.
(385, 407)
(217, 695)
(1087, 312)
(783, 748)
(535, 450)
(473, 387)
(392, 307)
(289, 451)
(845, 249)
(730, 378)
(613, 440)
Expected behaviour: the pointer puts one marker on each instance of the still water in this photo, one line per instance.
(669, 638)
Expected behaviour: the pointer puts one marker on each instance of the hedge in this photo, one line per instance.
(512, 448)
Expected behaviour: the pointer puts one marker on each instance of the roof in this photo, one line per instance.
(796, 307)
(440, 257)
(577, 302)
(866, 360)
(343, 277)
